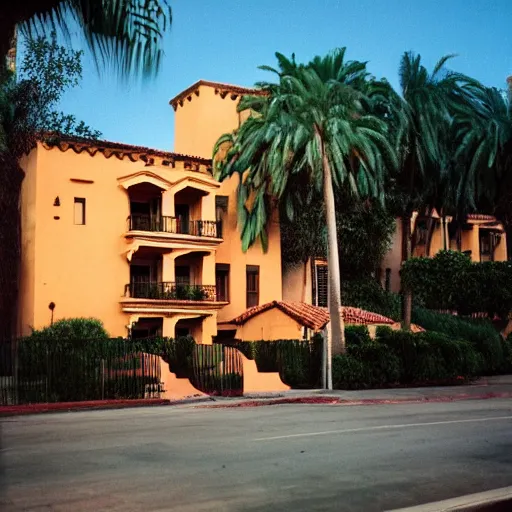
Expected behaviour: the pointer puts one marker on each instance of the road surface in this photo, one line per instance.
(287, 457)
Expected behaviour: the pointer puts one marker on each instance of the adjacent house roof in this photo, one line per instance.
(222, 89)
(120, 150)
(313, 317)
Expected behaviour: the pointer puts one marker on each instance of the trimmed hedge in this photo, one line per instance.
(450, 281)
(297, 361)
(480, 333)
(403, 358)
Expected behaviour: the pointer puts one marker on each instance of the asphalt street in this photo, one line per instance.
(284, 458)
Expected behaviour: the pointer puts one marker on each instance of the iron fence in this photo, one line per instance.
(170, 291)
(299, 362)
(217, 370)
(175, 225)
(49, 370)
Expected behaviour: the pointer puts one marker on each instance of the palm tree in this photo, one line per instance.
(124, 33)
(485, 144)
(312, 125)
(425, 110)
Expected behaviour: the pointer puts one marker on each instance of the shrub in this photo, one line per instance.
(348, 372)
(481, 334)
(383, 365)
(430, 356)
(356, 335)
(177, 353)
(368, 294)
(73, 329)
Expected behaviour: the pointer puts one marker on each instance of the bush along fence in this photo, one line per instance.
(454, 350)
(43, 370)
(298, 362)
(40, 370)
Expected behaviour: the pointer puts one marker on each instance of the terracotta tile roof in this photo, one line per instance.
(220, 88)
(117, 149)
(313, 317)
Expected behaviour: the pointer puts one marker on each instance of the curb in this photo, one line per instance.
(333, 400)
(253, 400)
(94, 405)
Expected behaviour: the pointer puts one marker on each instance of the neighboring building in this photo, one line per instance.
(279, 320)
(145, 240)
(482, 237)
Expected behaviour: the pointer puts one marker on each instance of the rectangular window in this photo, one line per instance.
(222, 282)
(221, 207)
(253, 285)
(182, 274)
(321, 280)
(80, 211)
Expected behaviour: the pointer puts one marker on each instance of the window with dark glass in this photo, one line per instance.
(221, 207)
(222, 282)
(79, 212)
(253, 285)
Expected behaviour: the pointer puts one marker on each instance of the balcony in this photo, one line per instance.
(174, 225)
(170, 291)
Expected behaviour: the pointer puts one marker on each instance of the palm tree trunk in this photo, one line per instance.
(406, 254)
(337, 331)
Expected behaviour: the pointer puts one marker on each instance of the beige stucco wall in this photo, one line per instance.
(270, 325)
(198, 125)
(295, 287)
(393, 258)
(83, 269)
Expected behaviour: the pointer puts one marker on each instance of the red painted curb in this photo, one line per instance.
(15, 410)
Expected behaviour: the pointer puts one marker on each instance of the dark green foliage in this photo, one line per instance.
(297, 361)
(349, 372)
(369, 295)
(60, 368)
(364, 235)
(178, 354)
(50, 70)
(73, 329)
(450, 281)
(482, 335)
(401, 357)
(123, 35)
(437, 281)
(356, 335)
(383, 365)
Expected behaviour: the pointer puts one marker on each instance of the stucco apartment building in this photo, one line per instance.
(144, 240)
(147, 240)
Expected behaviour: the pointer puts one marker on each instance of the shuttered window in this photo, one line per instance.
(321, 285)
(253, 285)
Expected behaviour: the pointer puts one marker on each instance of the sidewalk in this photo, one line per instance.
(484, 388)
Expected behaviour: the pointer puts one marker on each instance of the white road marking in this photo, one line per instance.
(384, 427)
(463, 502)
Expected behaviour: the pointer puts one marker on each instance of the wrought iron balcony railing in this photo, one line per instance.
(163, 224)
(170, 291)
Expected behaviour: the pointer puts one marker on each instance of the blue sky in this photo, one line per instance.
(226, 40)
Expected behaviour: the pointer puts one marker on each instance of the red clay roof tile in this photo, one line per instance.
(313, 317)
